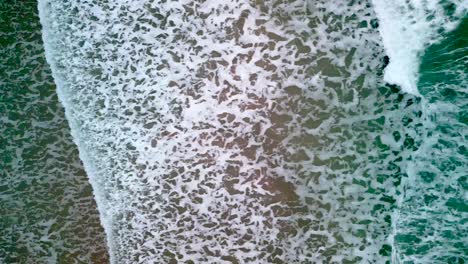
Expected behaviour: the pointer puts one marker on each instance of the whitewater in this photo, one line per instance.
(47, 210)
(267, 131)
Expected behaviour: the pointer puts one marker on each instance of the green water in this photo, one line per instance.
(433, 224)
(47, 210)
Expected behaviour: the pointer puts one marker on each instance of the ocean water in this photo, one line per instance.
(432, 226)
(264, 131)
(47, 210)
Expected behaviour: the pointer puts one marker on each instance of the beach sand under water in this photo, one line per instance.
(250, 131)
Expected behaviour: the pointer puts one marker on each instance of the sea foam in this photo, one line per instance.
(408, 28)
(428, 225)
(239, 131)
(47, 211)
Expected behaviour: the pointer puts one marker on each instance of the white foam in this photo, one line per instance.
(189, 145)
(407, 28)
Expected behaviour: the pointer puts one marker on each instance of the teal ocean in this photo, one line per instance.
(202, 131)
(432, 226)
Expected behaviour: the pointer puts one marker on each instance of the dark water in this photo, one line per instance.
(47, 210)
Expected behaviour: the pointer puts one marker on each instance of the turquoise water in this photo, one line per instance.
(237, 132)
(433, 211)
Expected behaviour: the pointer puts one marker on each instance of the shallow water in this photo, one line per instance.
(267, 131)
(248, 132)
